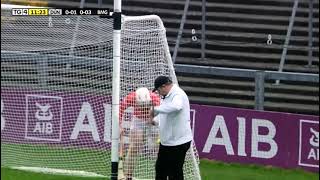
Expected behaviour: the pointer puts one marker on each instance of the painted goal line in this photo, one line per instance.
(58, 171)
(62, 172)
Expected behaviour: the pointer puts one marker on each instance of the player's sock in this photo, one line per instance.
(129, 177)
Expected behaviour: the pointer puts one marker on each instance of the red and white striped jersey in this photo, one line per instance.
(140, 112)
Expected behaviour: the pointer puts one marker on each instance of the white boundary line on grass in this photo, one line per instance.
(62, 172)
(58, 171)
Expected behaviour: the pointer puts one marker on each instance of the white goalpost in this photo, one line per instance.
(116, 89)
(60, 110)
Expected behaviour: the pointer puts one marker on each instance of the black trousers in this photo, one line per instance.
(170, 162)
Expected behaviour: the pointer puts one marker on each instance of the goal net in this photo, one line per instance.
(56, 83)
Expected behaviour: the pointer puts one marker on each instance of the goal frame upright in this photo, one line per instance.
(116, 89)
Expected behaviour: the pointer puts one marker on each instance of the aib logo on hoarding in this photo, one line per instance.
(44, 117)
(309, 143)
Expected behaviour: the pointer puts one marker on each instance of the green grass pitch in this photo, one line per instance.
(94, 161)
(209, 171)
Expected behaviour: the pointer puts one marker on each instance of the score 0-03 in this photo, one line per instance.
(77, 12)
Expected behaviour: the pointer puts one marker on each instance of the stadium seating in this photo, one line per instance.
(237, 34)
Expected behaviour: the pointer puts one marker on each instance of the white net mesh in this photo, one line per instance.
(56, 83)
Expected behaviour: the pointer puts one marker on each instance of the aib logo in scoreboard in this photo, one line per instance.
(44, 117)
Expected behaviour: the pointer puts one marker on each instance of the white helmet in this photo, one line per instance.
(143, 96)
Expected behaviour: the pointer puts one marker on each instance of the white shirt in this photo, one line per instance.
(174, 117)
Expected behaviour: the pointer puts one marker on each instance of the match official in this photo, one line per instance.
(175, 129)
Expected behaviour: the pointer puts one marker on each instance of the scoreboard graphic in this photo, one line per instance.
(58, 12)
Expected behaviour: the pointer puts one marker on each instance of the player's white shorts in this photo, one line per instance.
(142, 125)
(150, 132)
(138, 124)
